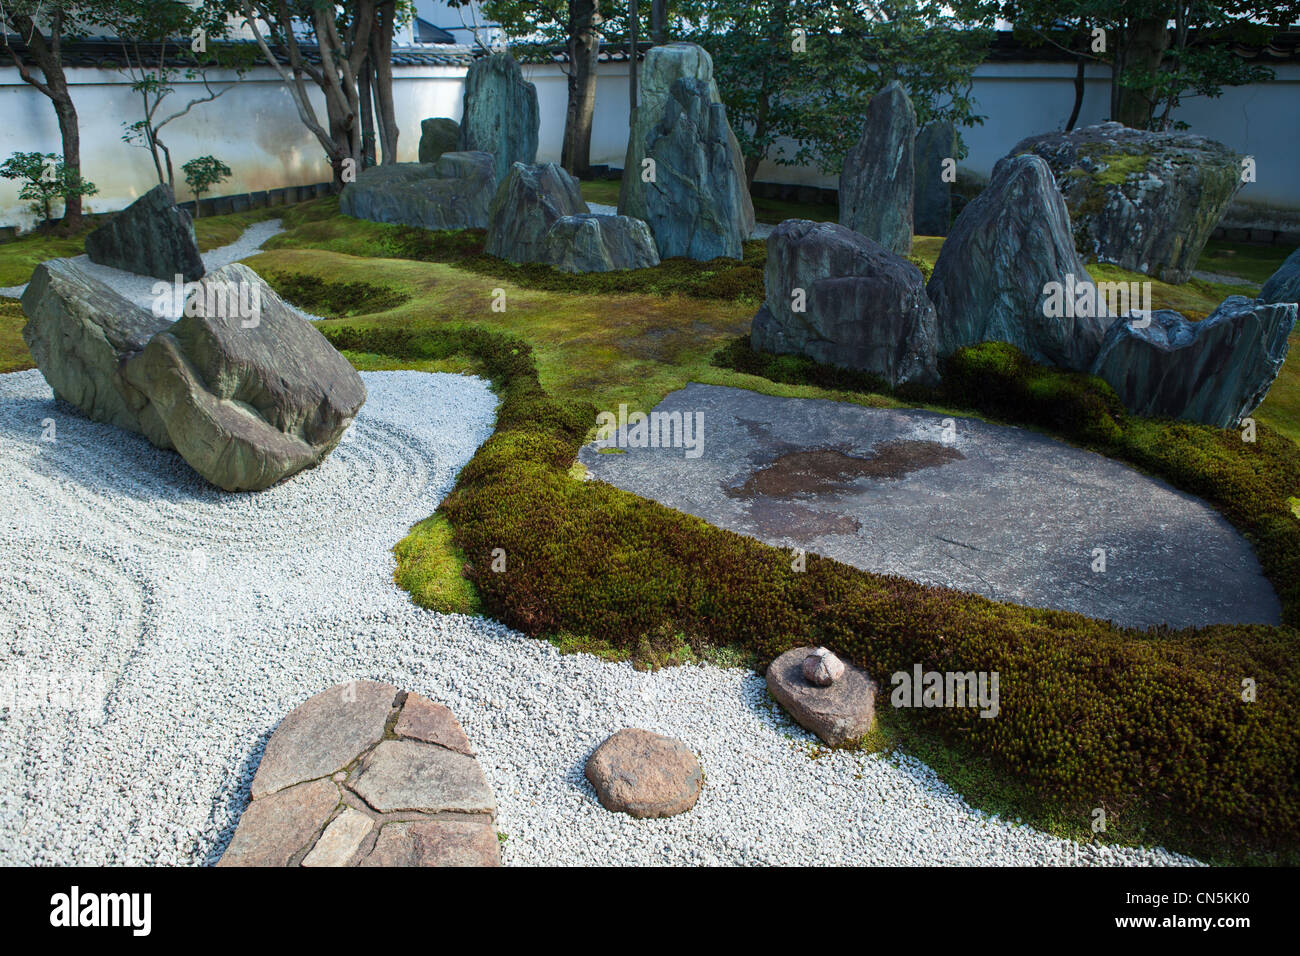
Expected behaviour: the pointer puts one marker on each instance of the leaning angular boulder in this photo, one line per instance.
(992, 279)
(527, 203)
(1142, 200)
(337, 787)
(438, 135)
(152, 237)
(243, 386)
(590, 243)
(644, 774)
(1283, 285)
(931, 193)
(80, 332)
(499, 112)
(698, 205)
(837, 713)
(876, 182)
(1215, 371)
(837, 297)
(663, 66)
(453, 193)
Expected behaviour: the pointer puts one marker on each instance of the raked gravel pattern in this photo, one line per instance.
(139, 289)
(211, 615)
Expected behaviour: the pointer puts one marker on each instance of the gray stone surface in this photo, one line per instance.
(989, 281)
(411, 795)
(592, 243)
(644, 774)
(152, 236)
(931, 195)
(1283, 285)
(79, 332)
(1002, 512)
(438, 135)
(527, 203)
(1214, 371)
(876, 182)
(246, 401)
(452, 193)
(1172, 190)
(864, 308)
(838, 713)
(413, 775)
(324, 734)
(499, 112)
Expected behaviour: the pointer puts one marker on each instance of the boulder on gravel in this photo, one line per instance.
(79, 332)
(1283, 285)
(453, 193)
(644, 774)
(499, 112)
(1142, 200)
(838, 713)
(438, 135)
(822, 668)
(992, 279)
(151, 237)
(242, 385)
(876, 181)
(527, 203)
(334, 790)
(931, 193)
(590, 243)
(837, 297)
(1214, 371)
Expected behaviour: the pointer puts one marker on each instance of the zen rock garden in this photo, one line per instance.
(346, 503)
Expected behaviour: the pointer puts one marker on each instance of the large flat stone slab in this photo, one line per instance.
(413, 775)
(998, 511)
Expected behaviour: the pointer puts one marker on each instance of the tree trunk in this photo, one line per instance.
(1142, 46)
(584, 49)
(367, 114)
(381, 39)
(632, 25)
(1078, 96)
(659, 22)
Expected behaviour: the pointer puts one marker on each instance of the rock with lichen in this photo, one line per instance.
(1144, 201)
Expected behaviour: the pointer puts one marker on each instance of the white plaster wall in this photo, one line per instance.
(256, 131)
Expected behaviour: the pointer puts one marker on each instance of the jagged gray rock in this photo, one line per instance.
(247, 394)
(151, 237)
(663, 66)
(527, 203)
(438, 135)
(865, 308)
(1214, 371)
(1144, 201)
(990, 281)
(876, 182)
(931, 195)
(1283, 285)
(453, 193)
(499, 113)
(696, 205)
(593, 243)
(79, 332)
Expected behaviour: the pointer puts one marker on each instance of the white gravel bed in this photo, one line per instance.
(139, 289)
(212, 615)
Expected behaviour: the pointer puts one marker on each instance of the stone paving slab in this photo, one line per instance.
(1003, 512)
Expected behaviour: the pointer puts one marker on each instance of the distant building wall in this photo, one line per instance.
(255, 128)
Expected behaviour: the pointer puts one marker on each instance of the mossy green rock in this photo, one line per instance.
(589, 243)
(527, 203)
(1144, 201)
(931, 194)
(499, 113)
(877, 179)
(151, 237)
(452, 193)
(1284, 285)
(438, 135)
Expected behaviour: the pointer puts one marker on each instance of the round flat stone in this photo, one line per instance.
(644, 774)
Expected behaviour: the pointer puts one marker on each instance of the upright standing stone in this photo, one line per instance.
(663, 66)
(151, 237)
(499, 112)
(438, 135)
(991, 281)
(1142, 200)
(932, 195)
(527, 203)
(876, 181)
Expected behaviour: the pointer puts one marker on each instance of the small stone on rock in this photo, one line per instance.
(822, 668)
